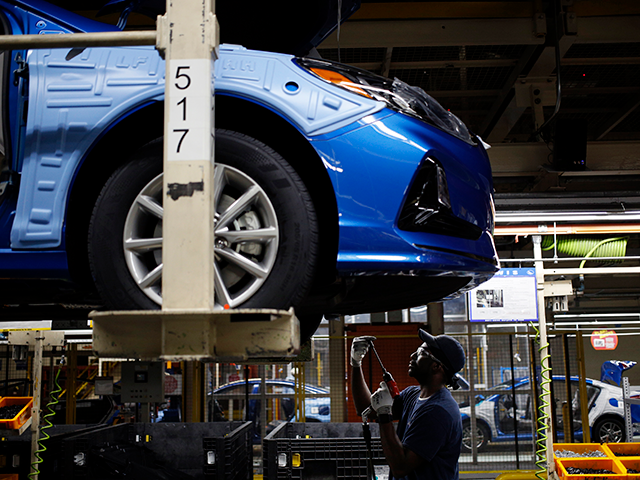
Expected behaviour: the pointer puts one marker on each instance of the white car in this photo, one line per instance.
(495, 420)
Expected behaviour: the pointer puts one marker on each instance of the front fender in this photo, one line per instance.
(74, 101)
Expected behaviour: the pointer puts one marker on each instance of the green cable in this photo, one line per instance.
(587, 246)
(54, 400)
(616, 245)
(541, 442)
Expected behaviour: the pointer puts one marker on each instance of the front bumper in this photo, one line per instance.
(377, 168)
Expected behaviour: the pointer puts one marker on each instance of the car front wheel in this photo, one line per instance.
(609, 430)
(265, 230)
(482, 437)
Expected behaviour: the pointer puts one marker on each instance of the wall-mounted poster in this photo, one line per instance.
(510, 296)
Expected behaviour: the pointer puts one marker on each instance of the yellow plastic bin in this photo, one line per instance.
(633, 467)
(619, 472)
(581, 449)
(23, 415)
(622, 450)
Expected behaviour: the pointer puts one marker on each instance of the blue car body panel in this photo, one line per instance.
(73, 102)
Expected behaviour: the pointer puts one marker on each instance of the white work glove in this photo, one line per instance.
(359, 349)
(381, 400)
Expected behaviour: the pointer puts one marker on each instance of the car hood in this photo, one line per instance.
(286, 26)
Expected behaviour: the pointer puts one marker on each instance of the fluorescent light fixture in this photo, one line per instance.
(595, 315)
(542, 217)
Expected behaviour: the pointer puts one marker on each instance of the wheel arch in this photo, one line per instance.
(130, 132)
(270, 128)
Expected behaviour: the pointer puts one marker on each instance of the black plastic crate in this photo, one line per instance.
(199, 451)
(214, 450)
(319, 451)
(233, 453)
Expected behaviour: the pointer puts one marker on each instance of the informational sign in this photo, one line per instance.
(604, 339)
(510, 296)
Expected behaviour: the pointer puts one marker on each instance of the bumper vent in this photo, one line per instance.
(428, 206)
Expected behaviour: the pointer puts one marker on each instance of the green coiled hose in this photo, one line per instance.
(543, 418)
(54, 400)
(587, 246)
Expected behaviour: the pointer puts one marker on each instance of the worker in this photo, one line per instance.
(426, 444)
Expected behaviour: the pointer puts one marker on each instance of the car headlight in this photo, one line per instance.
(397, 94)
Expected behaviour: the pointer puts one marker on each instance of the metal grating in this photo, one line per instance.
(422, 54)
(599, 76)
(631, 124)
(603, 50)
(593, 101)
(488, 52)
(354, 55)
(472, 78)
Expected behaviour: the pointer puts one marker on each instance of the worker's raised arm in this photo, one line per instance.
(359, 389)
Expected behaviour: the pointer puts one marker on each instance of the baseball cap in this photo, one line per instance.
(446, 349)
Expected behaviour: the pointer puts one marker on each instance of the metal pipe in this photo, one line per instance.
(70, 40)
(565, 259)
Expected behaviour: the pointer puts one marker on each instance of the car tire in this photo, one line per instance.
(483, 435)
(128, 213)
(609, 430)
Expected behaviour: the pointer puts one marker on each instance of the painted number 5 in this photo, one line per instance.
(182, 77)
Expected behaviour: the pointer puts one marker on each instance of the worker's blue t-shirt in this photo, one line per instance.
(432, 429)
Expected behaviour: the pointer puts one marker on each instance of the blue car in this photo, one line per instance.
(338, 191)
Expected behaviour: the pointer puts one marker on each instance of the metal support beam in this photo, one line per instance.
(527, 158)
(337, 379)
(37, 397)
(193, 378)
(435, 32)
(38, 339)
(631, 106)
(544, 347)
(70, 386)
(544, 67)
(386, 65)
(231, 336)
(530, 53)
(435, 318)
(582, 386)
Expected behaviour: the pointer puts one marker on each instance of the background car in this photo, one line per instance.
(231, 399)
(337, 191)
(495, 414)
(228, 402)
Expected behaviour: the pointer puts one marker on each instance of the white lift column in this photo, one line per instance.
(187, 328)
(190, 41)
